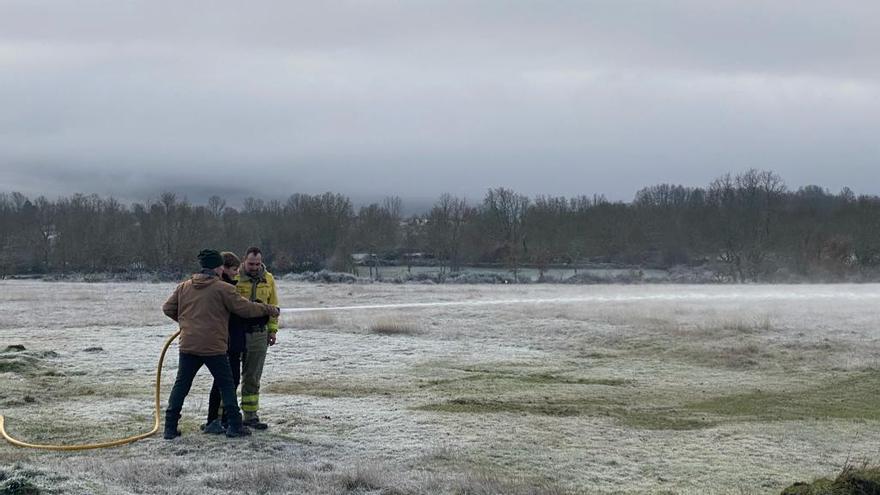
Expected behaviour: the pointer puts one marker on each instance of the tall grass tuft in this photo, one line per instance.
(394, 326)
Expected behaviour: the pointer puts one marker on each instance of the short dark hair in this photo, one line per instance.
(230, 259)
(253, 250)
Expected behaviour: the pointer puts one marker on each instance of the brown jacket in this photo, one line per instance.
(201, 306)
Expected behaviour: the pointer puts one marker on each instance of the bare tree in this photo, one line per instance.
(216, 206)
(545, 229)
(445, 226)
(378, 230)
(505, 213)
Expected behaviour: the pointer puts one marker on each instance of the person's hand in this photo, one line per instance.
(271, 336)
(274, 311)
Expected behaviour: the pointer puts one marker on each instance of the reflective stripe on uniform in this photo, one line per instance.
(250, 403)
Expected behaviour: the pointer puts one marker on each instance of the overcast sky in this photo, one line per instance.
(416, 98)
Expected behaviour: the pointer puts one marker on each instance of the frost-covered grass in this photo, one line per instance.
(394, 326)
(640, 389)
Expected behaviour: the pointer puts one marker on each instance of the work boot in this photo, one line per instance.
(237, 431)
(171, 431)
(214, 428)
(255, 423)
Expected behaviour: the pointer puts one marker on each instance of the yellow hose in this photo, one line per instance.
(113, 443)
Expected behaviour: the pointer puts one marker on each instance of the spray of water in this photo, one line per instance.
(764, 296)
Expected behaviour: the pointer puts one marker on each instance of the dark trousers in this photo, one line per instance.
(187, 368)
(214, 397)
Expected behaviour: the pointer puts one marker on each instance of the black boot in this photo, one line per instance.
(255, 423)
(213, 427)
(236, 428)
(171, 431)
(239, 430)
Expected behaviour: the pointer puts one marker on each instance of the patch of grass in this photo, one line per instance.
(20, 362)
(323, 319)
(18, 486)
(392, 326)
(544, 393)
(738, 356)
(648, 418)
(489, 483)
(550, 378)
(15, 366)
(524, 378)
(585, 354)
(16, 481)
(444, 453)
(11, 457)
(261, 478)
(474, 405)
(852, 397)
(60, 429)
(731, 356)
(139, 474)
(368, 479)
(851, 481)
(326, 389)
(436, 382)
(44, 354)
(661, 418)
(15, 359)
(758, 324)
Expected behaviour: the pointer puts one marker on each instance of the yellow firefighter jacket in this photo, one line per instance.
(260, 288)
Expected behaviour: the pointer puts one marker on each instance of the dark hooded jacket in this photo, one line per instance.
(239, 326)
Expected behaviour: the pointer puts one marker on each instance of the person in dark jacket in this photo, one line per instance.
(217, 420)
(201, 306)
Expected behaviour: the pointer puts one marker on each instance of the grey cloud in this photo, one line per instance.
(416, 99)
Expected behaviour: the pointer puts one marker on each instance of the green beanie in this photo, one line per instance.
(210, 258)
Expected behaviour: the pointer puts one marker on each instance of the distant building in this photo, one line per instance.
(364, 258)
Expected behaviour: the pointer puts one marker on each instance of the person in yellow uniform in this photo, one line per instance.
(256, 284)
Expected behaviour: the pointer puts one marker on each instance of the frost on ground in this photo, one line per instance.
(637, 389)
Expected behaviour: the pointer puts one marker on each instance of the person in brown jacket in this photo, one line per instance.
(202, 306)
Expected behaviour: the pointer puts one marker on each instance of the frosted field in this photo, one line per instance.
(527, 274)
(634, 389)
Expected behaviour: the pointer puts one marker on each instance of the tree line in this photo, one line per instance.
(746, 227)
